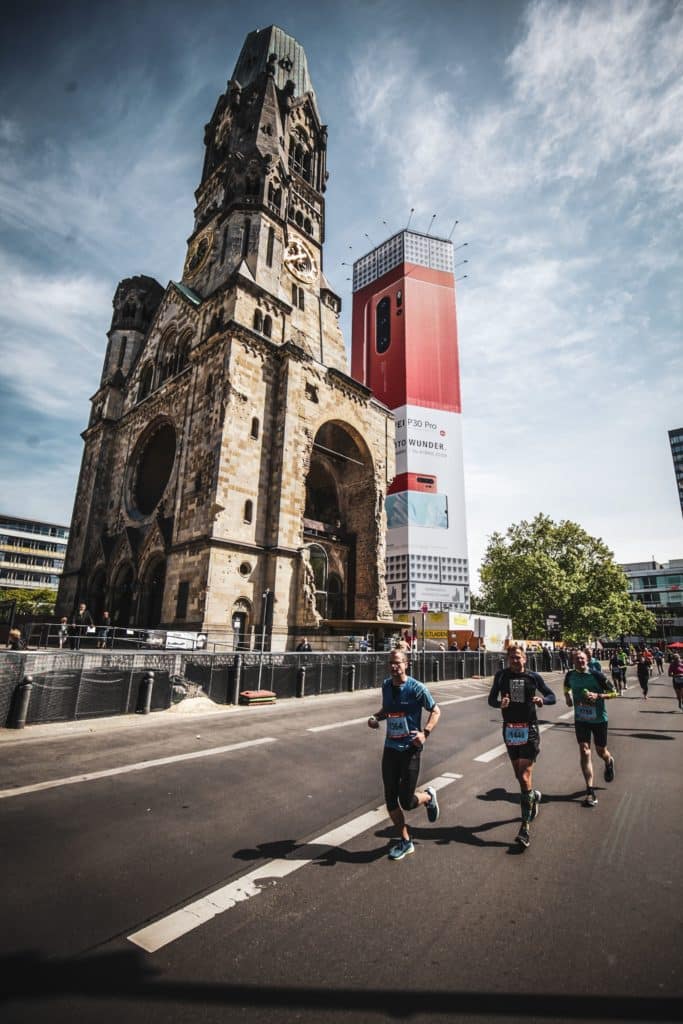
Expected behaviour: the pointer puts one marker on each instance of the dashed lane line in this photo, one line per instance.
(180, 922)
(138, 767)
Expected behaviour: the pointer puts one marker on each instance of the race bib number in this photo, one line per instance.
(397, 727)
(516, 733)
(586, 713)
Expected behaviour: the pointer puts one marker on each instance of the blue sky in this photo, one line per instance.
(550, 131)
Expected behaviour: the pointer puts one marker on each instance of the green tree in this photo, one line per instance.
(31, 602)
(542, 568)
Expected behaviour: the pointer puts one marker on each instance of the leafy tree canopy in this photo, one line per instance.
(31, 602)
(542, 568)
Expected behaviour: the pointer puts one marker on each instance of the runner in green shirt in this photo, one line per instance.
(586, 691)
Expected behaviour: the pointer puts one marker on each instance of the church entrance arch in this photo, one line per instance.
(340, 506)
(122, 596)
(97, 595)
(241, 622)
(152, 593)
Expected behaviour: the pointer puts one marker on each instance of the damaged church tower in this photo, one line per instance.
(234, 474)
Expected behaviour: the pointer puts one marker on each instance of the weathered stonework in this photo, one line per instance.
(229, 455)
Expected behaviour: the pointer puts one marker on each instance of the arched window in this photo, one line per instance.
(267, 326)
(308, 227)
(252, 187)
(299, 218)
(269, 247)
(145, 381)
(183, 353)
(306, 167)
(248, 511)
(258, 320)
(254, 427)
(122, 351)
(336, 605)
(318, 557)
(166, 362)
(246, 231)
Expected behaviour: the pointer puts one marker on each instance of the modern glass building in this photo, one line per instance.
(676, 442)
(659, 586)
(31, 553)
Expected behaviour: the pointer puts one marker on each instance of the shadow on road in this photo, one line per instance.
(513, 798)
(131, 975)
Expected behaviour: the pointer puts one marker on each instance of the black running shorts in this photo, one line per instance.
(598, 730)
(528, 751)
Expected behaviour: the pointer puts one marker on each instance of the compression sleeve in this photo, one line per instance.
(548, 695)
(495, 691)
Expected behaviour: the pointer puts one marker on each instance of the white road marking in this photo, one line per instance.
(491, 755)
(567, 714)
(180, 922)
(338, 725)
(358, 721)
(140, 766)
(459, 700)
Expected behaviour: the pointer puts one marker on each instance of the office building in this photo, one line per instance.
(31, 553)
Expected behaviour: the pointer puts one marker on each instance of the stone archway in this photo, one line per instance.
(241, 621)
(97, 593)
(122, 596)
(341, 507)
(153, 582)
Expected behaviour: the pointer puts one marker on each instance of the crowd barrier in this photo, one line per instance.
(68, 686)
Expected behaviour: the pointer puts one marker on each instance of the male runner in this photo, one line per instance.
(516, 689)
(586, 691)
(403, 699)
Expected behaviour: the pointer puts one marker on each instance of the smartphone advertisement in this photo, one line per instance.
(425, 510)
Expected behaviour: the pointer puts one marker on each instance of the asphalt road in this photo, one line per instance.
(232, 867)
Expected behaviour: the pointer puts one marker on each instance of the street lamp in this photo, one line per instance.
(265, 599)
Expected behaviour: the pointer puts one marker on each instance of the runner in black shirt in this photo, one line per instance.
(514, 691)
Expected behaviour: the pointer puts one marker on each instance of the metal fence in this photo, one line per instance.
(67, 686)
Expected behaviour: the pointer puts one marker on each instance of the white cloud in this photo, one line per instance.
(53, 338)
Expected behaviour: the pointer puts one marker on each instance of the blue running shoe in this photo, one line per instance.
(433, 805)
(402, 848)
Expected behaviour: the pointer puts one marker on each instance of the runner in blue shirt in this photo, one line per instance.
(403, 700)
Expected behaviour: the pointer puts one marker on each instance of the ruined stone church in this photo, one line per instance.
(234, 474)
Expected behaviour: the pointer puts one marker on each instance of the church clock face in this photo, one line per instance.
(198, 253)
(299, 261)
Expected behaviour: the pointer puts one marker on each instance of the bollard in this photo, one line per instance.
(435, 671)
(22, 697)
(352, 678)
(301, 681)
(461, 667)
(237, 683)
(145, 694)
(501, 664)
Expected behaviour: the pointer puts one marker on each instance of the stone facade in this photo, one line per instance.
(234, 474)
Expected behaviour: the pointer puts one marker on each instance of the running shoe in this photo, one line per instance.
(433, 805)
(535, 807)
(609, 770)
(402, 848)
(591, 799)
(522, 836)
